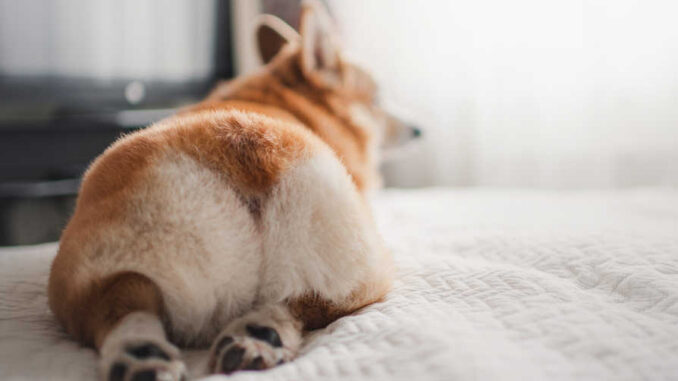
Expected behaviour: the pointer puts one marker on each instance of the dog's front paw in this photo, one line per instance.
(143, 361)
(260, 347)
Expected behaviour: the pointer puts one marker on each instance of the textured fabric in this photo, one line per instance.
(491, 285)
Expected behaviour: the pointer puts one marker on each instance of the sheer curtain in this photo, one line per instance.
(529, 93)
(107, 39)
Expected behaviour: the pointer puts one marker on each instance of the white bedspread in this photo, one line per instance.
(511, 285)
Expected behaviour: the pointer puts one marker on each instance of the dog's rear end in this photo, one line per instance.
(239, 221)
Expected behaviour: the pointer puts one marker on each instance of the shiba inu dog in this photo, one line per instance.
(240, 221)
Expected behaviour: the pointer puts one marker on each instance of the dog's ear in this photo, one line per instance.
(320, 61)
(272, 34)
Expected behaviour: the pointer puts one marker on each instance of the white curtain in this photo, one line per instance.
(536, 93)
(107, 39)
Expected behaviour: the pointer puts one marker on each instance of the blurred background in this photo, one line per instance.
(555, 94)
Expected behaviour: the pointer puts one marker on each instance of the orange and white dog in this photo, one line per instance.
(239, 222)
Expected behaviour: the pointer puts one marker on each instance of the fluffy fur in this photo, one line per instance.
(245, 210)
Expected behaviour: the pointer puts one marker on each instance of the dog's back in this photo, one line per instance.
(220, 209)
(242, 215)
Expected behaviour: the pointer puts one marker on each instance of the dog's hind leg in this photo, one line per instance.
(120, 315)
(272, 334)
(261, 339)
(137, 349)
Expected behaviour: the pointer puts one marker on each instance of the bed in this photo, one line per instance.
(491, 285)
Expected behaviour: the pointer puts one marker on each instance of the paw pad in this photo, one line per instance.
(256, 364)
(249, 347)
(117, 372)
(145, 361)
(144, 375)
(146, 351)
(223, 343)
(231, 360)
(266, 334)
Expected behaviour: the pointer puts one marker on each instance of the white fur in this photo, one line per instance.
(361, 116)
(391, 140)
(318, 236)
(189, 231)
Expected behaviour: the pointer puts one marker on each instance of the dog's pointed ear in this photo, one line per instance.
(272, 34)
(320, 61)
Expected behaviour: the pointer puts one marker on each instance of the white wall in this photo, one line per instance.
(542, 93)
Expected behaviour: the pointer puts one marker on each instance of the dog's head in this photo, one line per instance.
(306, 74)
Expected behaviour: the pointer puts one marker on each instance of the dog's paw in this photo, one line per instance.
(143, 361)
(260, 347)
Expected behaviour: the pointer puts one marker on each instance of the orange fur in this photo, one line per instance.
(316, 312)
(324, 112)
(108, 301)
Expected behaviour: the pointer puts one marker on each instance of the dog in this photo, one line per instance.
(240, 222)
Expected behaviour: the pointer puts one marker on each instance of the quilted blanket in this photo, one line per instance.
(512, 285)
